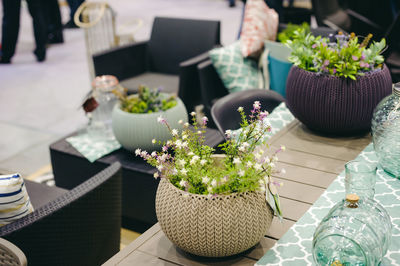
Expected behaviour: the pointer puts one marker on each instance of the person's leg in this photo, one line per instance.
(53, 20)
(39, 27)
(10, 28)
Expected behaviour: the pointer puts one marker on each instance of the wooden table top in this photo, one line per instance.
(311, 162)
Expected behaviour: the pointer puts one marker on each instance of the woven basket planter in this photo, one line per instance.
(336, 105)
(220, 226)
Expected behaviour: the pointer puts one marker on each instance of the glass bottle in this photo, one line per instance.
(385, 127)
(360, 178)
(354, 232)
(100, 118)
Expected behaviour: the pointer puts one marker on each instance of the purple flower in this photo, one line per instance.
(364, 64)
(161, 120)
(314, 46)
(362, 56)
(324, 44)
(165, 148)
(355, 58)
(326, 62)
(334, 71)
(263, 115)
(205, 120)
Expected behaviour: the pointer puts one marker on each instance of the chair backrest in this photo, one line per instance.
(81, 227)
(323, 9)
(174, 40)
(10, 254)
(224, 111)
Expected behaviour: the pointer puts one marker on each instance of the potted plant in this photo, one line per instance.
(211, 205)
(134, 117)
(336, 82)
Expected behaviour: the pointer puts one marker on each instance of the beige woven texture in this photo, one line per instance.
(212, 227)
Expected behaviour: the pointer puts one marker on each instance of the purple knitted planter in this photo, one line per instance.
(336, 105)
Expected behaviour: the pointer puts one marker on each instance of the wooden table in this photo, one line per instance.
(311, 162)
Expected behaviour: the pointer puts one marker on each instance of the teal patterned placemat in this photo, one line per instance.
(294, 248)
(93, 148)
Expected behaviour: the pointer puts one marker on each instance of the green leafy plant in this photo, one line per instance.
(289, 32)
(341, 56)
(147, 101)
(190, 165)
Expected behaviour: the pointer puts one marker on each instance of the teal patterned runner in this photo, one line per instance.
(294, 248)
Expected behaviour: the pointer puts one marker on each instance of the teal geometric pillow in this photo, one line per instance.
(237, 73)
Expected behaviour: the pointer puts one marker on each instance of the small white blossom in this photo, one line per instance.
(153, 154)
(228, 133)
(174, 171)
(184, 136)
(236, 160)
(261, 181)
(160, 167)
(143, 153)
(182, 183)
(210, 190)
(183, 171)
(190, 153)
(214, 183)
(240, 109)
(283, 148)
(199, 132)
(241, 148)
(184, 144)
(257, 166)
(205, 180)
(138, 151)
(156, 175)
(164, 157)
(257, 155)
(193, 113)
(272, 165)
(154, 141)
(274, 158)
(181, 162)
(241, 173)
(203, 162)
(174, 132)
(180, 122)
(186, 124)
(249, 164)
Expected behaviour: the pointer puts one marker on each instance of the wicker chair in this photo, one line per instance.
(10, 254)
(80, 227)
(224, 111)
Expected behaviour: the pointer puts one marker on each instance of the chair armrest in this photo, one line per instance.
(189, 83)
(211, 85)
(122, 62)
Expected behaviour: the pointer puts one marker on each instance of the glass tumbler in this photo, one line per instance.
(360, 178)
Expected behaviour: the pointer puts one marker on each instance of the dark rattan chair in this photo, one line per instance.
(10, 254)
(80, 227)
(168, 59)
(224, 111)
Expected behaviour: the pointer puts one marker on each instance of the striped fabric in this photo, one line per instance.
(14, 200)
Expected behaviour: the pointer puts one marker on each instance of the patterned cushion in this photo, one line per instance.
(260, 23)
(14, 200)
(237, 73)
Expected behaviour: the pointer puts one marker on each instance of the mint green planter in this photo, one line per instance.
(137, 130)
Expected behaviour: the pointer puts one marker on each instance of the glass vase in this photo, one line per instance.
(360, 178)
(385, 127)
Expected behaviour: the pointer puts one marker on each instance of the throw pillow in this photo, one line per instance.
(260, 23)
(237, 73)
(14, 199)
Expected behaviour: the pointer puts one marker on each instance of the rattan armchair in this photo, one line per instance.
(79, 227)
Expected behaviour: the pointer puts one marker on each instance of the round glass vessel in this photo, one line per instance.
(385, 127)
(103, 92)
(354, 232)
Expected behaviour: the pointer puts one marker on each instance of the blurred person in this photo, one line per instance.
(10, 28)
(73, 6)
(53, 20)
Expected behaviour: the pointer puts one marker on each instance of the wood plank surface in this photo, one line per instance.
(311, 161)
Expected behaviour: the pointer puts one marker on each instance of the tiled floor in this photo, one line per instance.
(39, 102)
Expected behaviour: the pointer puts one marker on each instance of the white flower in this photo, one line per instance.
(228, 133)
(241, 173)
(153, 154)
(143, 153)
(174, 132)
(183, 171)
(181, 162)
(205, 180)
(178, 143)
(199, 132)
(190, 153)
(174, 171)
(249, 164)
(256, 105)
(195, 158)
(138, 151)
(283, 171)
(164, 157)
(257, 166)
(240, 109)
(182, 183)
(267, 159)
(272, 165)
(184, 136)
(210, 190)
(261, 152)
(193, 113)
(214, 183)
(186, 124)
(160, 167)
(245, 144)
(283, 148)
(241, 148)
(274, 158)
(153, 141)
(156, 175)
(257, 155)
(184, 144)
(203, 162)
(180, 122)
(236, 160)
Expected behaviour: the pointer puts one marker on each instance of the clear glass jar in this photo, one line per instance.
(100, 118)
(354, 232)
(385, 127)
(360, 178)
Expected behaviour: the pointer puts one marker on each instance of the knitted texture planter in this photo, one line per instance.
(217, 226)
(336, 105)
